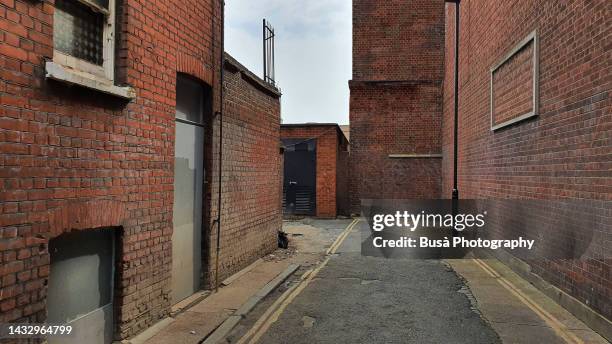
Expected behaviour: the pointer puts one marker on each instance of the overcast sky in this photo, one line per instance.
(313, 53)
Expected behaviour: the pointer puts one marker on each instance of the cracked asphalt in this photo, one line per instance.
(358, 299)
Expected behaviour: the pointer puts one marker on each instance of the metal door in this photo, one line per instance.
(300, 177)
(188, 189)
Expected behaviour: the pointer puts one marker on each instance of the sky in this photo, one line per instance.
(312, 57)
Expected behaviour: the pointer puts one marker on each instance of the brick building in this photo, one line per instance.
(108, 121)
(315, 169)
(550, 142)
(534, 117)
(396, 100)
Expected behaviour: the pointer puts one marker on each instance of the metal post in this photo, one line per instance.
(265, 71)
(268, 52)
(272, 59)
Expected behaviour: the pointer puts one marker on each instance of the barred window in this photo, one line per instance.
(78, 31)
(83, 36)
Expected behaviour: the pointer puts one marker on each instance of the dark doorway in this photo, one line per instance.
(300, 177)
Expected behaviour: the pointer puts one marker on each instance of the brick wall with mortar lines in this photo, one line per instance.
(327, 148)
(73, 159)
(343, 205)
(565, 152)
(394, 119)
(513, 85)
(398, 40)
(251, 213)
(395, 101)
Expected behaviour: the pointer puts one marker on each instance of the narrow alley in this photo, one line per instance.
(358, 299)
(297, 172)
(334, 294)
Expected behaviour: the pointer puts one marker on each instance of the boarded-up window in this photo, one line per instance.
(80, 289)
(514, 85)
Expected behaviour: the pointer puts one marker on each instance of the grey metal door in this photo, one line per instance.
(188, 185)
(300, 177)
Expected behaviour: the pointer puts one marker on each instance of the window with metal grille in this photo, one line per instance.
(78, 31)
(83, 36)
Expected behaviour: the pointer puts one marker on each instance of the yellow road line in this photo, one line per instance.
(272, 314)
(560, 329)
(332, 249)
(266, 315)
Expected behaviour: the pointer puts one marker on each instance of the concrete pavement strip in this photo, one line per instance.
(518, 311)
(263, 292)
(148, 333)
(237, 275)
(188, 302)
(224, 329)
(169, 326)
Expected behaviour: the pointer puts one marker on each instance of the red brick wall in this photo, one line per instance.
(395, 104)
(398, 40)
(565, 152)
(343, 204)
(512, 85)
(75, 159)
(251, 213)
(327, 155)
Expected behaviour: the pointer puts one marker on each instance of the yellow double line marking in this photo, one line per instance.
(560, 329)
(272, 314)
(332, 249)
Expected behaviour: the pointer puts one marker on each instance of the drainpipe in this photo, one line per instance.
(455, 195)
(220, 113)
(455, 192)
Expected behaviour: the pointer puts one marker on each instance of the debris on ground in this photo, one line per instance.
(280, 254)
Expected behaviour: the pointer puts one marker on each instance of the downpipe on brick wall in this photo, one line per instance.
(455, 192)
(220, 114)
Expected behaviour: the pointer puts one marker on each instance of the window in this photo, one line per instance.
(81, 284)
(83, 36)
(84, 45)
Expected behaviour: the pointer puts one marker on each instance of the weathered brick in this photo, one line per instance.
(396, 100)
(84, 160)
(564, 152)
(7, 305)
(251, 161)
(402, 102)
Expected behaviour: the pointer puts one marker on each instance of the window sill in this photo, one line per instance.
(414, 156)
(58, 72)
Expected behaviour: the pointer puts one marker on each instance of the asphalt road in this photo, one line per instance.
(357, 299)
